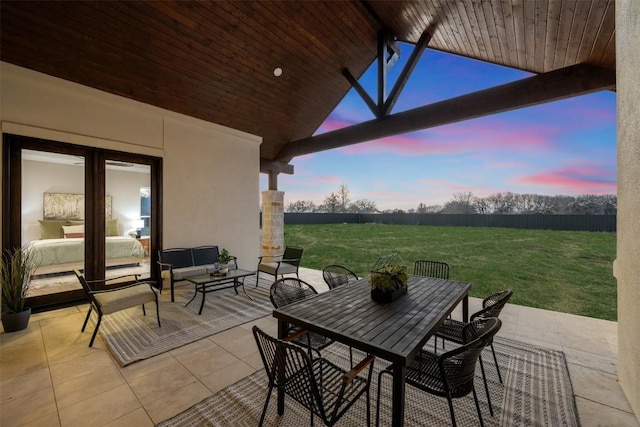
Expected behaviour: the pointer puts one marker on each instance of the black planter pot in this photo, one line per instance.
(13, 322)
(385, 297)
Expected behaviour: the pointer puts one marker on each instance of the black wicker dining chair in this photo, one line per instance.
(336, 275)
(449, 374)
(319, 385)
(492, 306)
(431, 269)
(289, 290)
(460, 332)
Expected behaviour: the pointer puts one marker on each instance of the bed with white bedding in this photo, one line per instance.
(63, 254)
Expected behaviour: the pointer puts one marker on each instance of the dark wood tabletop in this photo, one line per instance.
(394, 331)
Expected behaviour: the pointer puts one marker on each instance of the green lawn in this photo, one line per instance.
(563, 271)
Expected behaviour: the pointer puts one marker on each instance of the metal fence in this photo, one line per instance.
(534, 221)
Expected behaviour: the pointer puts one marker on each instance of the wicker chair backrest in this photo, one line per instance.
(336, 275)
(493, 304)
(431, 269)
(458, 366)
(289, 290)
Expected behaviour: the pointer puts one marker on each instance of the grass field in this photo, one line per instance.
(564, 271)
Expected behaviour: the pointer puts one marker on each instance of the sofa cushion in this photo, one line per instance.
(204, 255)
(270, 268)
(117, 300)
(181, 273)
(178, 257)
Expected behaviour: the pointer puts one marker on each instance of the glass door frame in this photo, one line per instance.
(94, 175)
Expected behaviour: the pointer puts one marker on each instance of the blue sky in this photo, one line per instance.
(566, 147)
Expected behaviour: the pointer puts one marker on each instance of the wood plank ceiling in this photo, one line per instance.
(214, 60)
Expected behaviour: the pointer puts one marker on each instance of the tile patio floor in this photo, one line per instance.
(49, 377)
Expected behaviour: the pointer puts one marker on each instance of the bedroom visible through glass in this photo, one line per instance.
(128, 219)
(53, 218)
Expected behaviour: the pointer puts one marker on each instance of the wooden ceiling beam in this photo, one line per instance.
(268, 166)
(555, 85)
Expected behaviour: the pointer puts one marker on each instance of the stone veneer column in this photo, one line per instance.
(272, 223)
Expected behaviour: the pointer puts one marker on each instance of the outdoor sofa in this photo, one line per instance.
(178, 263)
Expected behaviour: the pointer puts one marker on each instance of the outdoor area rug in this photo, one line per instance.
(131, 337)
(537, 391)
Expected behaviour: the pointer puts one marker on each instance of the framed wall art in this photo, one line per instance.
(68, 206)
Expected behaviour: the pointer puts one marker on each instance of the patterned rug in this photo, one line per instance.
(131, 337)
(536, 392)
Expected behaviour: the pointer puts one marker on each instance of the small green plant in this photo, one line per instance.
(389, 278)
(15, 274)
(225, 257)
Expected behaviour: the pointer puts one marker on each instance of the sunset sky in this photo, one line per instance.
(566, 147)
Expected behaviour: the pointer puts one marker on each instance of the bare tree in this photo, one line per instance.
(343, 196)
(362, 205)
(481, 205)
(301, 206)
(502, 203)
(331, 204)
(462, 203)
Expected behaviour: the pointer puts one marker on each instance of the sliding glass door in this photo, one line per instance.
(79, 208)
(128, 218)
(53, 218)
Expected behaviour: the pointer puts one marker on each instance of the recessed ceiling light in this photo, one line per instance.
(277, 72)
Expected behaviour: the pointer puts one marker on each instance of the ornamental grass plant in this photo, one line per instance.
(16, 270)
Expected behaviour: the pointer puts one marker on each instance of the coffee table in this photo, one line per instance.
(206, 283)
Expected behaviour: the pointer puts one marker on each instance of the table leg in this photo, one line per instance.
(465, 308)
(397, 397)
(204, 293)
(244, 290)
(282, 333)
(195, 292)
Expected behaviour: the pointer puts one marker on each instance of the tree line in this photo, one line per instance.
(467, 203)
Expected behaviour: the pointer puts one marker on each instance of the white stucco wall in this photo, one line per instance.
(210, 172)
(627, 264)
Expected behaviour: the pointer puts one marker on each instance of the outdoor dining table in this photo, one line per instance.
(395, 331)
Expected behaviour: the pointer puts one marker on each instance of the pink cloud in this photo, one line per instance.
(467, 137)
(332, 124)
(580, 179)
(311, 181)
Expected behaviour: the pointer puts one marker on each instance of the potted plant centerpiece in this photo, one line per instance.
(388, 279)
(224, 259)
(15, 274)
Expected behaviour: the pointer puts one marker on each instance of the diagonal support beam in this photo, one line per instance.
(555, 85)
(412, 61)
(388, 53)
(362, 92)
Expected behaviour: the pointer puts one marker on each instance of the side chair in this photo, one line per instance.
(107, 299)
(492, 305)
(431, 269)
(325, 389)
(288, 263)
(450, 374)
(460, 332)
(289, 290)
(336, 275)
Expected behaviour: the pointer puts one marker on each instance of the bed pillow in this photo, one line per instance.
(52, 228)
(111, 228)
(71, 231)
